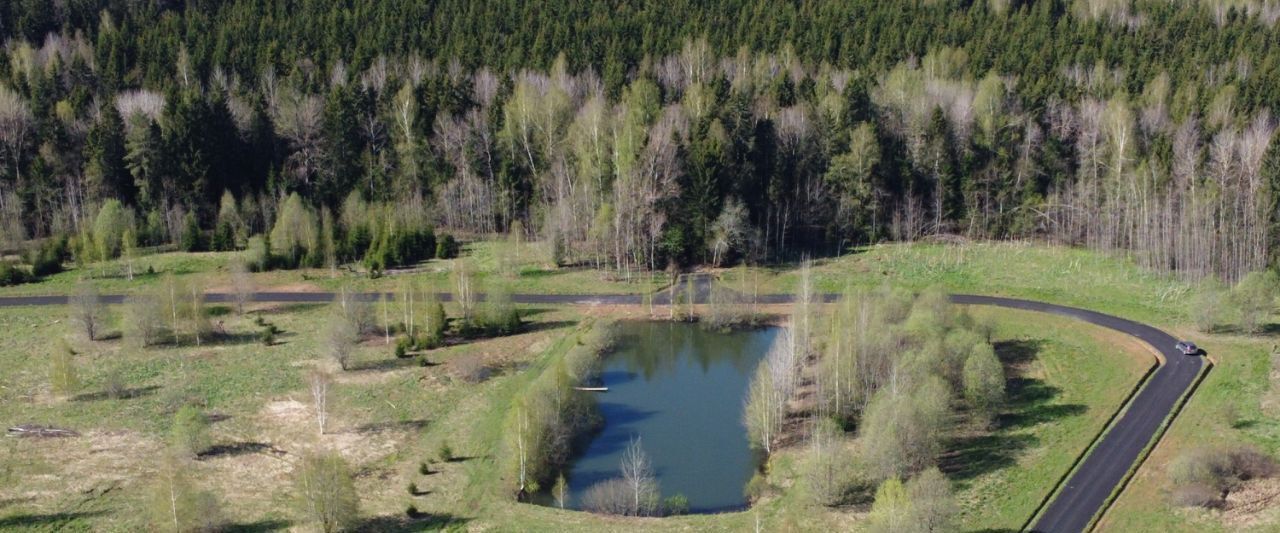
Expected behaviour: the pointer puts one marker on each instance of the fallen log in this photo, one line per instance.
(33, 430)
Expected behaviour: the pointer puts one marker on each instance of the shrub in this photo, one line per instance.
(447, 247)
(11, 274)
(676, 504)
(413, 489)
(446, 453)
(608, 497)
(402, 347)
(1203, 477)
(1196, 495)
(114, 385)
(424, 469)
(189, 434)
(257, 254)
(267, 336)
(472, 369)
(326, 492)
(756, 487)
(412, 512)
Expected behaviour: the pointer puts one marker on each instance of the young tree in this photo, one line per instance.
(900, 429)
(932, 505)
(768, 393)
(891, 510)
(189, 434)
(63, 379)
(1209, 305)
(145, 319)
(637, 472)
(86, 310)
(176, 505)
(1255, 297)
(462, 290)
(319, 382)
(983, 381)
(827, 473)
(129, 250)
(192, 237)
(242, 287)
(108, 229)
(326, 492)
(340, 340)
(561, 491)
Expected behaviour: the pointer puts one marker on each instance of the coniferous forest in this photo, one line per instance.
(640, 135)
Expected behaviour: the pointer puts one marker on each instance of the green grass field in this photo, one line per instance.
(391, 414)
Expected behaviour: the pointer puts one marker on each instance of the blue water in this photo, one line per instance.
(680, 390)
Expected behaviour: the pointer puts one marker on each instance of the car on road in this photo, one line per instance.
(1187, 348)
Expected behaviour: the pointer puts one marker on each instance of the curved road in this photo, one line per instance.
(1084, 494)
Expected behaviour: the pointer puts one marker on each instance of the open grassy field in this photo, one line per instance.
(520, 268)
(389, 415)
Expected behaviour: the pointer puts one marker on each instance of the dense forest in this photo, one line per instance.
(641, 135)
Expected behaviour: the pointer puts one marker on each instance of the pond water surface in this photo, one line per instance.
(680, 390)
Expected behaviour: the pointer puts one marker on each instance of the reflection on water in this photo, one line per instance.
(681, 390)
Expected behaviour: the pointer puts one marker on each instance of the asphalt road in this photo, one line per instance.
(1084, 493)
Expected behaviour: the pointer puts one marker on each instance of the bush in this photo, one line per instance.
(756, 487)
(413, 489)
(114, 385)
(446, 453)
(47, 258)
(472, 369)
(677, 504)
(412, 512)
(11, 274)
(1197, 495)
(267, 335)
(424, 469)
(447, 247)
(257, 254)
(189, 434)
(326, 492)
(1203, 477)
(611, 497)
(402, 347)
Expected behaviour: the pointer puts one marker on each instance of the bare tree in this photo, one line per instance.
(768, 393)
(242, 286)
(637, 473)
(319, 382)
(340, 342)
(298, 118)
(16, 121)
(86, 310)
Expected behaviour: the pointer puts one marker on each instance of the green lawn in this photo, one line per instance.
(1068, 379)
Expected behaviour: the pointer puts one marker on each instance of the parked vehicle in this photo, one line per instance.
(1188, 348)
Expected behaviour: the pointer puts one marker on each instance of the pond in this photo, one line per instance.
(680, 390)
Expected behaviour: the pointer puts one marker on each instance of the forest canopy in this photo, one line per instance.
(638, 135)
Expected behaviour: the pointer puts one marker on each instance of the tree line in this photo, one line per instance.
(812, 129)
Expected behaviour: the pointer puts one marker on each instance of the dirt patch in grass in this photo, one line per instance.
(70, 472)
